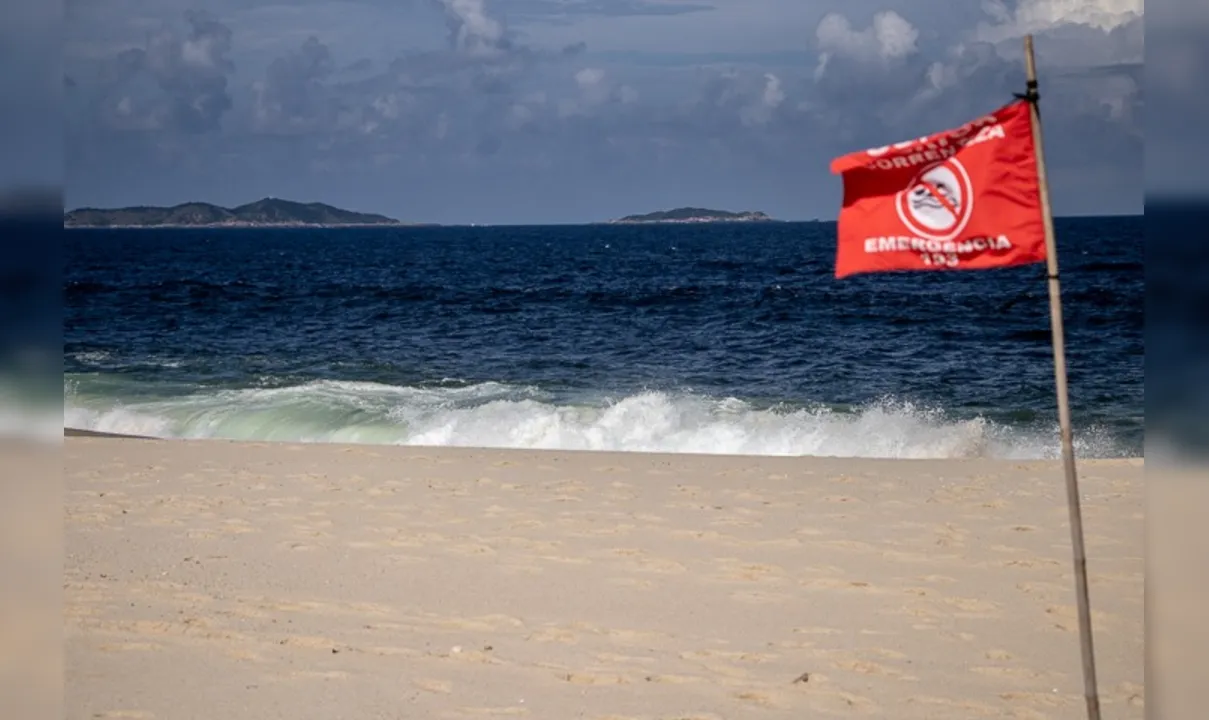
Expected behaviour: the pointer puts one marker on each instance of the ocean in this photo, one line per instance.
(712, 338)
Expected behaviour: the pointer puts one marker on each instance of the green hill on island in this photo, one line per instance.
(266, 212)
(694, 215)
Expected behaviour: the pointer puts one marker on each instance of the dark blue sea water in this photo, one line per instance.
(729, 338)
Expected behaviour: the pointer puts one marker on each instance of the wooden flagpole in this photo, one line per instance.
(1090, 691)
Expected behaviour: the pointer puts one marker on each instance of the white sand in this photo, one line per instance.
(232, 580)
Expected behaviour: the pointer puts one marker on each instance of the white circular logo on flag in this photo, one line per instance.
(938, 201)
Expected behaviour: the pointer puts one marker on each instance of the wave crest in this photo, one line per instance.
(497, 415)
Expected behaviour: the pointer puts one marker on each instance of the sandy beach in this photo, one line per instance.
(213, 579)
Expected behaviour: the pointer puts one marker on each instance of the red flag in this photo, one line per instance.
(965, 198)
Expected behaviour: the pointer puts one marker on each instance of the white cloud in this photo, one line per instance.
(596, 89)
(387, 105)
(1068, 34)
(589, 78)
(1033, 16)
(761, 109)
(593, 88)
(200, 52)
(518, 116)
(889, 37)
(475, 33)
(773, 94)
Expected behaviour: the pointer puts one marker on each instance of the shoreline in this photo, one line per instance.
(69, 432)
(80, 433)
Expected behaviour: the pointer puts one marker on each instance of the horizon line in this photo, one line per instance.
(414, 222)
(430, 224)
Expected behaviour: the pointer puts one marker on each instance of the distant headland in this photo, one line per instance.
(693, 215)
(269, 212)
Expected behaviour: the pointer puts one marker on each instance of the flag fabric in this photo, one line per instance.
(964, 198)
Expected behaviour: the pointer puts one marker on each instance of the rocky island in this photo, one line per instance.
(693, 215)
(269, 212)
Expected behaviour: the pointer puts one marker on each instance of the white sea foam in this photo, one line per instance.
(503, 416)
(102, 359)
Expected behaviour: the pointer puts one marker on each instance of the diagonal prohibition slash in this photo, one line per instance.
(941, 198)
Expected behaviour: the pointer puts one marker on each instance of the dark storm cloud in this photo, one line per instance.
(292, 97)
(176, 83)
(456, 100)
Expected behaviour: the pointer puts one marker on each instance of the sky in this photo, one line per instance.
(567, 111)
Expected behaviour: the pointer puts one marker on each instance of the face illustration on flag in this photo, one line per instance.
(935, 201)
(964, 198)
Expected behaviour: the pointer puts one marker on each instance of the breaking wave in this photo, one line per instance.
(496, 415)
